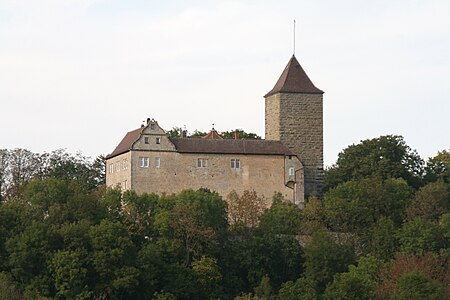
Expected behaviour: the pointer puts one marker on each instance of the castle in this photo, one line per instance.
(289, 160)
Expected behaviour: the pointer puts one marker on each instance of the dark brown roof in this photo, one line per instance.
(294, 80)
(127, 142)
(230, 146)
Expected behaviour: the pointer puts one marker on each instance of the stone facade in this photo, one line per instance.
(156, 166)
(297, 120)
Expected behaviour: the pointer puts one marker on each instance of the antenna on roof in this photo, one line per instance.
(294, 37)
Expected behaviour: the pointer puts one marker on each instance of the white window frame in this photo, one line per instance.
(111, 168)
(143, 162)
(291, 171)
(235, 163)
(157, 162)
(158, 140)
(202, 162)
(125, 164)
(117, 166)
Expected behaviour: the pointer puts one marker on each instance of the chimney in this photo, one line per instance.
(237, 135)
(184, 133)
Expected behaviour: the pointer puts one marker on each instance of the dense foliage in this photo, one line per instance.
(377, 233)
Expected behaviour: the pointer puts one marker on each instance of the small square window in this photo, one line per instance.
(202, 163)
(235, 163)
(158, 140)
(291, 171)
(157, 162)
(146, 139)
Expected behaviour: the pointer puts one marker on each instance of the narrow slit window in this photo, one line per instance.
(157, 162)
(291, 171)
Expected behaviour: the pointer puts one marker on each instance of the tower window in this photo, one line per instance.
(157, 162)
(158, 140)
(146, 139)
(291, 171)
(202, 162)
(143, 162)
(235, 163)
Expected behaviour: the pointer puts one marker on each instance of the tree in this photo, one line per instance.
(324, 258)
(113, 259)
(416, 286)
(384, 157)
(208, 276)
(438, 167)
(4, 162)
(303, 288)
(355, 205)
(358, 283)
(282, 218)
(242, 134)
(244, 210)
(430, 202)
(430, 265)
(383, 243)
(419, 236)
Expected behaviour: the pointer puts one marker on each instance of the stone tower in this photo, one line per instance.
(294, 115)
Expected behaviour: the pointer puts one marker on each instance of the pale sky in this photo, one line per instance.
(79, 74)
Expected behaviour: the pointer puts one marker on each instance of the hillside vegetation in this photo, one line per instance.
(380, 231)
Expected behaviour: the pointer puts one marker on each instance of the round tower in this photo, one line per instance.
(294, 116)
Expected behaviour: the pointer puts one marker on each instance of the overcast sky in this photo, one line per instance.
(79, 74)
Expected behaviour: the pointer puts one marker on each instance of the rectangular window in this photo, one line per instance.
(235, 163)
(152, 126)
(111, 168)
(125, 185)
(118, 166)
(157, 162)
(143, 162)
(291, 171)
(202, 162)
(158, 140)
(125, 164)
(146, 139)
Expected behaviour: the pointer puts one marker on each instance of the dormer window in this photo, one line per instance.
(158, 140)
(152, 126)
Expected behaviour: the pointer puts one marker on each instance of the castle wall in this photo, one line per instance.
(296, 119)
(266, 174)
(118, 171)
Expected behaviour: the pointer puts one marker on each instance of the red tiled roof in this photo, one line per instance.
(230, 146)
(213, 134)
(294, 80)
(126, 143)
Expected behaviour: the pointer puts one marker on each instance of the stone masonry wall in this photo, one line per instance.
(300, 118)
(266, 174)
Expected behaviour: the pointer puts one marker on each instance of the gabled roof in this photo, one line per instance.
(230, 146)
(294, 80)
(127, 142)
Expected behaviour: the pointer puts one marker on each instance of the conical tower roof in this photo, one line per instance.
(294, 80)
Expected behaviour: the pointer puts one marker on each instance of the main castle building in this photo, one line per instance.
(289, 160)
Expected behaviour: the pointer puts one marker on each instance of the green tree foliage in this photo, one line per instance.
(383, 243)
(324, 258)
(419, 236)
(282, 218)
(358, 204)
(384, 157)
(416, 286)
(358, 283)
(430, 202)
(302, 288)
(438, 167)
